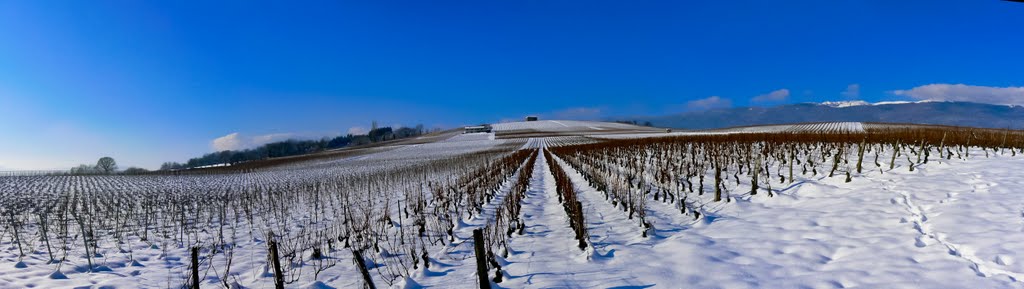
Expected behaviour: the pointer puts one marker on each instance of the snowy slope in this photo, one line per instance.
(550, 128)
(560, 125)
(949, 224)
(921, 112)
(824, 127)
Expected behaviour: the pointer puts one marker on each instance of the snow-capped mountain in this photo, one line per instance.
(849, 103)
(845, 103)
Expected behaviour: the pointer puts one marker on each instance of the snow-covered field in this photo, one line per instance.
(552, 128)
(955, 224)
(825, 127)
(560, 125)
(947, 224)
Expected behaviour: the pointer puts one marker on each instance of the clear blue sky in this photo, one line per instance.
(153, 81)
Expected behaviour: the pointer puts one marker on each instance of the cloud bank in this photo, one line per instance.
(237, 141)
(229, 142)
(709, 103)
(1010, 95)
(774, 96)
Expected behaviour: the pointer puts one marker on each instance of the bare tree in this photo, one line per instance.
(107, 165)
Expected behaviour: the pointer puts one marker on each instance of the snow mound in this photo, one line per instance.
(57, 275)
(317, 285)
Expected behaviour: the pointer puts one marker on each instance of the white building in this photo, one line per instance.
(478, 128)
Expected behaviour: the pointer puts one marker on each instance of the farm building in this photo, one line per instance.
(478, 128)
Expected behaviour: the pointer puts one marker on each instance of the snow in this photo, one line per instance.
(824, 127)
(818, 233)
(897, 102)
(851, 103)
(840, 104)
(213, 166)
(824, 233)
(562, 125)
(547, 255)
(403, 155)
(471, 137)
(948, 224)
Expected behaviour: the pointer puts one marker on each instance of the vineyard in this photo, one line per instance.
(809, 206)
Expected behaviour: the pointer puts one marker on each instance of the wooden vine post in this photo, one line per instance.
(195, 267)
(276, 261)
(481, 259)
(357, 256)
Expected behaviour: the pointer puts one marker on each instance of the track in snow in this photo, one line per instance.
(546, 256)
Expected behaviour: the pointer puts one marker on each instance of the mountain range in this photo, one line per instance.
(922, 112)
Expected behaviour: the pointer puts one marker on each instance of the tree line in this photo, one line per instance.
(293, 147)
(103, 166)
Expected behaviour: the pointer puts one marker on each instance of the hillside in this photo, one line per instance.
(941, 113)
(819, 205)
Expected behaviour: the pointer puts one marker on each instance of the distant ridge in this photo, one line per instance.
(923, 112)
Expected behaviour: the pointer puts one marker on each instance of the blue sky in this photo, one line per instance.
(153, 81)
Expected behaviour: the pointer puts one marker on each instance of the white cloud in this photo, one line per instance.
(232, 141)
(774, 96)
(709, 103)
(356, 130)
(852, 91)
(237, 141)
(269, 138)
(970, 93)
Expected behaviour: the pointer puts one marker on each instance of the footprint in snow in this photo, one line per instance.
(1004, 260)
(920, 242)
